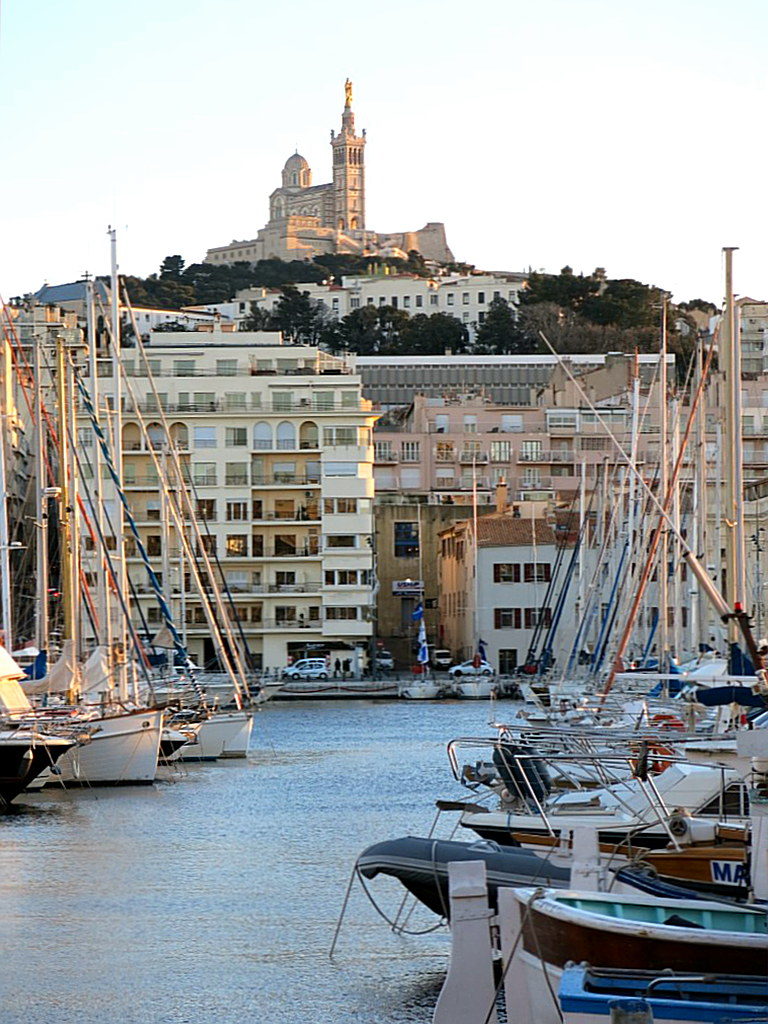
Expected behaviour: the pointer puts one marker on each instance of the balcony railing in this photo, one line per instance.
(559, 455)
(285, 479)
(470, 455)
(220, 404)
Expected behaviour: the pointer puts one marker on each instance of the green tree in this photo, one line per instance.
(301, 320)
(500, 333)
(433, 335)
(172, 267)
(258, 320)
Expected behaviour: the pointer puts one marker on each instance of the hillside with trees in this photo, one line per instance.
(576, 312)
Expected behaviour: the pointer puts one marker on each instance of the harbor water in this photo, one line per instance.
(213, 896)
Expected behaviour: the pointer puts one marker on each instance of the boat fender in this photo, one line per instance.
(651, 760)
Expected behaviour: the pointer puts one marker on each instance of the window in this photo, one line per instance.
(594, 444)
(342, 577)
(419, 301)
(204, 474)
(406, 302)
(537, 616)
(236, 473)
(154, 544)
(341, 469)
(530, 451)
(226, 367)
(507, 661)
(537, 572)
(511, 423)
(444, 452)
(153, 511)
(237, 545)
(282, 400)
(406, 540)
(449, 298)
(340, 506)
(183, 367)
(205, 437)
(480, 298)
(340, 435)
(285, 545)
(433, 299)
(238, 581)
(500, 451)
(410, 451)
(341, 613)
(383, 452)
(237, 511)
(465, 298)
(204, 401)
(341, 540)
(506, 618)
(236, 437)
(354, 303)
(206, 509)
(506, 572)
(234, 400)
(470, 424)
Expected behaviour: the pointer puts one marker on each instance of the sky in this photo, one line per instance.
(625, 134)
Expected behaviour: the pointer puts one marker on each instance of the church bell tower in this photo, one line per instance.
(348, 171)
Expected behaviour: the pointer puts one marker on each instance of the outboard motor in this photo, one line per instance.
(526, 777)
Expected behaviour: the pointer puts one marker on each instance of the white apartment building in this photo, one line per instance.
(464, 296)
(275, 442)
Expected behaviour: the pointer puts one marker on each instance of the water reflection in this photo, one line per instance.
(214, 895)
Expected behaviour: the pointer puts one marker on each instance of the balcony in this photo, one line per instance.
(558, 455)
(284, 480)
(303, 551)
(469, 455)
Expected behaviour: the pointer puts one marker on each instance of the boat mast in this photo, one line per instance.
(41, 505)
(117, 449)
(102, 591)
(5, 558)
(734, 519)
(701, 636)
(68, 590)
(663, 486)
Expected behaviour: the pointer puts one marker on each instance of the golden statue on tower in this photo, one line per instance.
(347, 93)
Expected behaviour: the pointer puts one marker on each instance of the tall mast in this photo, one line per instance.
(700, 520)
(67, 583)
(735, 470)
(5, 560)
(663, 486)
(102, 588)
(41, 506)
(117, 449)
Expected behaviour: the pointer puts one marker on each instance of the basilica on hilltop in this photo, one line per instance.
(306, 220)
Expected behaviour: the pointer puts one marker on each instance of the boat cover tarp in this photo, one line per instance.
(717, 696)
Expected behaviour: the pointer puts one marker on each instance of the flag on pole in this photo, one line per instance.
(423, 648)
(418, 612)
(481, 650)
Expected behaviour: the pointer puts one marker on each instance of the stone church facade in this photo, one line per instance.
(307, 220)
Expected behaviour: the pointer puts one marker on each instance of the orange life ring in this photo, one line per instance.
(668, 721)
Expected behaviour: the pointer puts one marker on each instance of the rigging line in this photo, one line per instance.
(229, 654)
(117, 589)
(153, 580)
(223, 652)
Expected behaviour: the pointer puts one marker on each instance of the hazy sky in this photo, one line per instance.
(616, 133)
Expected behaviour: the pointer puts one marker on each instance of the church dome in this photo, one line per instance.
(296, 172)
(296, 163)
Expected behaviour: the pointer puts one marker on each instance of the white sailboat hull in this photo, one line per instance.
(474, 689)
(223, 735)
(123, 750)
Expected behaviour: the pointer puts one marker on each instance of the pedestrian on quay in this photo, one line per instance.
(336, 668)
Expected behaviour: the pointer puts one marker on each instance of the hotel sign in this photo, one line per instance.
(407, 588)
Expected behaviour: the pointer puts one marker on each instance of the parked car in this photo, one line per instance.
(440, 659)
(385, 661)
(468, 668)
(306, 668)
